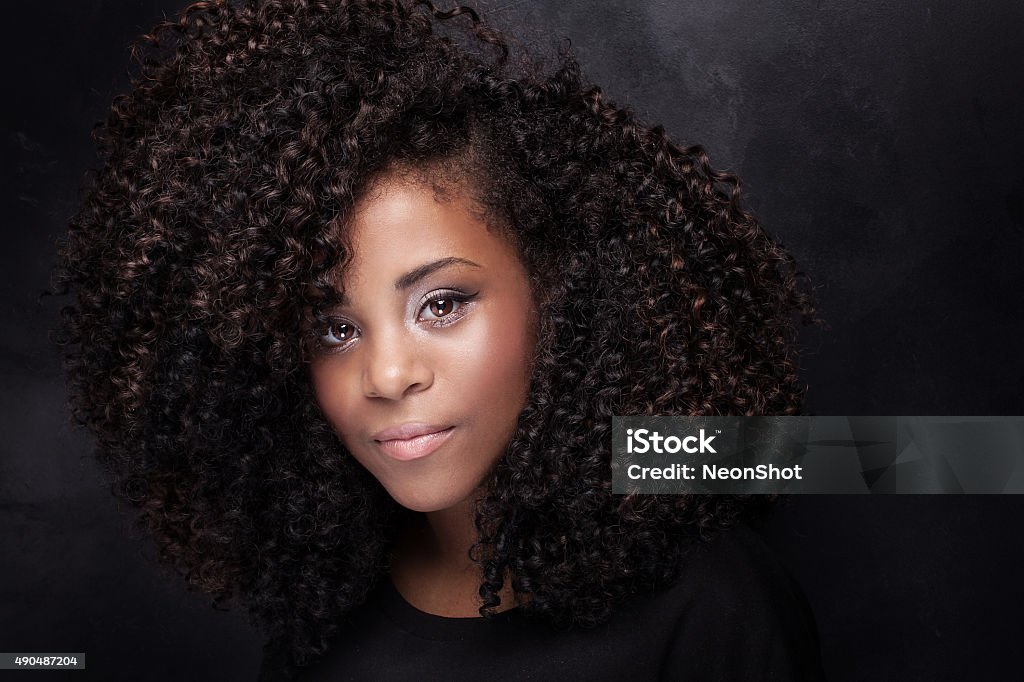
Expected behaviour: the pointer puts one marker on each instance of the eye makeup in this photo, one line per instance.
(444, 307)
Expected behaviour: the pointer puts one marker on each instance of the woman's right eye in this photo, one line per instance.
(338, 333)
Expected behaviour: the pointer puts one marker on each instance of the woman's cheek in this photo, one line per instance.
(332, 390)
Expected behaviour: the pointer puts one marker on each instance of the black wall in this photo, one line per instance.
(881, 141)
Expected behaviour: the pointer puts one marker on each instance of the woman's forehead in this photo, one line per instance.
(401, 225)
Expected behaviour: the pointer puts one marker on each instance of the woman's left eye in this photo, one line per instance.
(440, 307)
(444, 306)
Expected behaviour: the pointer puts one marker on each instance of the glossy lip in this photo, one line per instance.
(412, 440)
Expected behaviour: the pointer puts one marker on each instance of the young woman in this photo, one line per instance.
(356, 300)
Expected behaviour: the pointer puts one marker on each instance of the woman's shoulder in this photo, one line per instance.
(737, 613)
(734, 565)
(275, 665)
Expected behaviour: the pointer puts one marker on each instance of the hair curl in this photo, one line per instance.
(204, 250)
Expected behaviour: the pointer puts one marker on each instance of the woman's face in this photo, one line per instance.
(425, 367)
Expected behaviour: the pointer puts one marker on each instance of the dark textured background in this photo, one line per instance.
(881, 141)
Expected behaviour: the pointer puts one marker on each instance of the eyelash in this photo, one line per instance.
(459, 297)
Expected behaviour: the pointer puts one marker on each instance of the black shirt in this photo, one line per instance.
(734, 614)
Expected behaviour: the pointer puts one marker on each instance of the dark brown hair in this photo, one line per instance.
(204, 247)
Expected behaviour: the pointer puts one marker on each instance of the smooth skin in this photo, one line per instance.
(435, 334)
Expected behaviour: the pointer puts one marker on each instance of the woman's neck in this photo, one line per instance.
(431, 568)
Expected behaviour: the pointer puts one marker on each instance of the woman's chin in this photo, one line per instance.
(420, 500)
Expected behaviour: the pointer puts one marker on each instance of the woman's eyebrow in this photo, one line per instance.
(410, 278)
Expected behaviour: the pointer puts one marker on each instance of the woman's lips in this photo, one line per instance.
(412, 441)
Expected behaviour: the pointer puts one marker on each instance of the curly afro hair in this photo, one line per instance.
(204, 250)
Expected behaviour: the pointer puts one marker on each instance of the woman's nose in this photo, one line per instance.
(395, 367)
